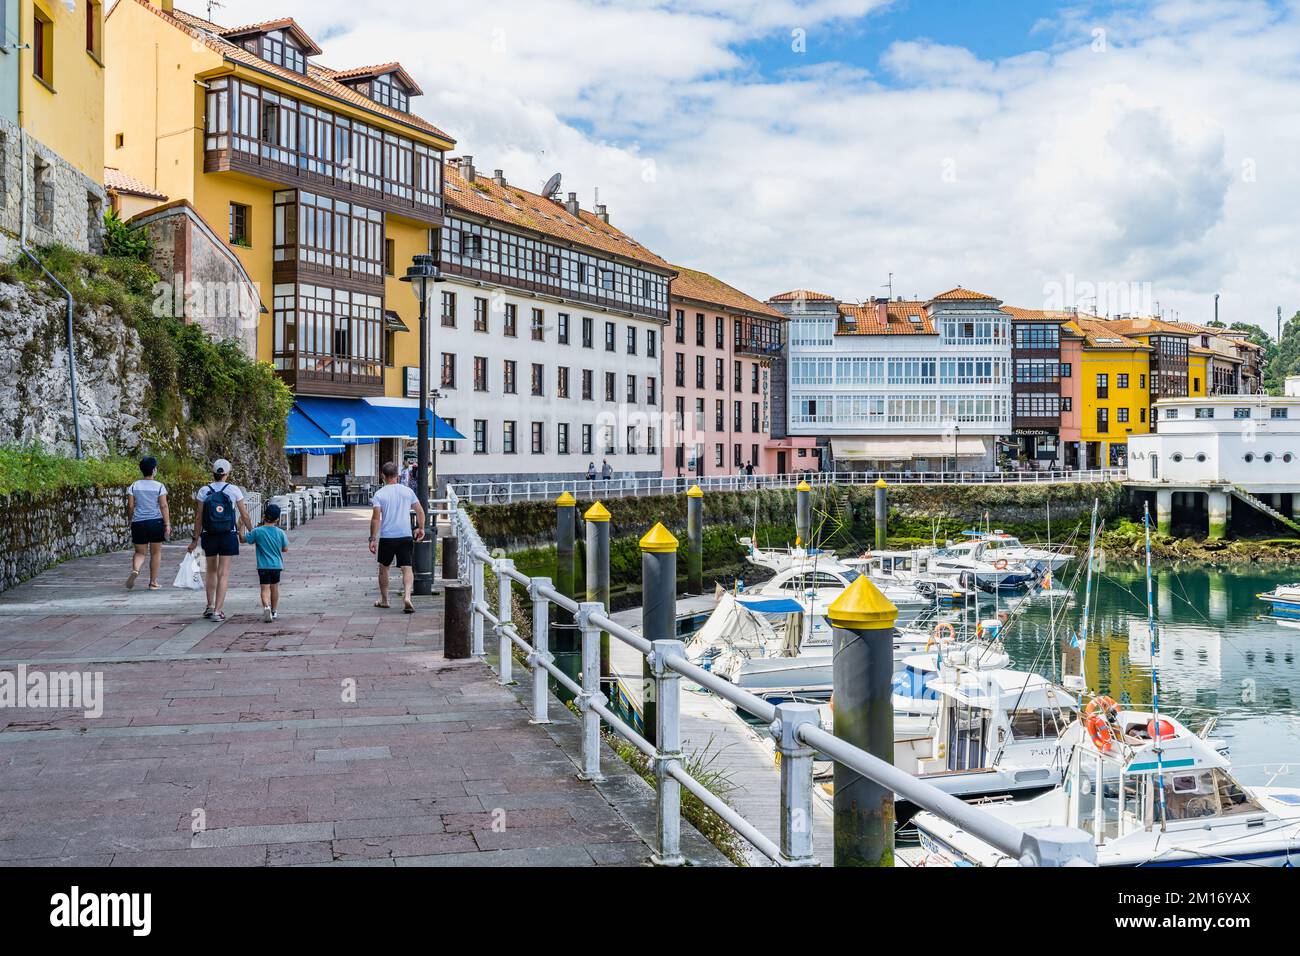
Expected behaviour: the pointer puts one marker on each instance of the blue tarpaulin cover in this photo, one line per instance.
(305, 437)
(354, 421)
(771, 605)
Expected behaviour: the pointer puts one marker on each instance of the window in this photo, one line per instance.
(699, 371)
(508, 377)
(239, 225)
(679, 369)
(1067, 404)
(631, 389)
(562, 328)
(1121, 414)
(718, 455)
(631, 440)
(1103, 420)
(562, 382)
(42, 47)
(1067, 370)
(719, 417)
(1277, 413)
(508, 437)
(562, 438)
(586, 332)
(448, 370)
(651, 395)
(1121, 380)
(735, 455)
(1241, 413)
(448, 447)
(512, 320)
(737, 376)
(610, 332)
(1142, 413)
(587, 384)
(1205, 413)
(539, 379)
(384, 89)
(586, 439)
(719, 336)
(699, 329)
(539, 438)
(631, 340)
(719, 375)
(449, 310)
(1103, 385)
(753, 378)
(390, 348)
(1142, 381)
(389, 258)
(280, 50)
(1170, 414)
(610, 385)
(679, 327)
(480, 314)
(1196, 385)
(753, 416)
(650, 442)
(538, 326)
(651, 343)
(92, 29)
(480, 436)
(737, 416)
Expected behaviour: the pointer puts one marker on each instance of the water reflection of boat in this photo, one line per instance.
(1284, 604)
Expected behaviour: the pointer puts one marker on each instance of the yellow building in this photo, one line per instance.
(1113, 392)
(52, 97)
(322, 181)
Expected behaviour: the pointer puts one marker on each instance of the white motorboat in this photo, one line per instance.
(910, 568)
(980, 563)
(1003, 545)
(1284, 604)
(822, 581)
(781, 559)
(1147, 799)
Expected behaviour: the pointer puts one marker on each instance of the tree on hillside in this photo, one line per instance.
(1284, 359)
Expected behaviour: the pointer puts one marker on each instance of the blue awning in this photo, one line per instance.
(354, 421)
(771, 605)
(305, 437)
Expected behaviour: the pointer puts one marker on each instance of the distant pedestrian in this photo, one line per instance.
(591, 471)
(150, 519)
(391, 538)
(271, 543)
(606, 469)
(220, 514)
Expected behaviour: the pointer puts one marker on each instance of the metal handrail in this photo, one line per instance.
(488, 492)
(795, 727)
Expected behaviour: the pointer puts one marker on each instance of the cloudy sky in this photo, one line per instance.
(1124, 155)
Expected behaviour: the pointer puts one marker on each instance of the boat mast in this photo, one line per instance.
(1155, 679)
(1087, 599)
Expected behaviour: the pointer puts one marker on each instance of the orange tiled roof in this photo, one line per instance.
(1098, 335)
(803, 295)
(902, 318)
(963, 294)
(702, 287)
(116, 181)
(380, 69)
(1038, 315)
(529, 210)
(1146, 325)
(317, 78)
(283, 23)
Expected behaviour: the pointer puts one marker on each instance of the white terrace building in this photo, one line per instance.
(900, 385)
(547, 338)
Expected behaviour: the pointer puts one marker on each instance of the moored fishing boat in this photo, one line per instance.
(1284, 604)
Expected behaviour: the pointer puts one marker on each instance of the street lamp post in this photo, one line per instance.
(956, 434)
(422, 274)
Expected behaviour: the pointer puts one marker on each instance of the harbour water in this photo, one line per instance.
(1217, 656)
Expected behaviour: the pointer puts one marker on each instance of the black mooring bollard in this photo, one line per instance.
(457, 643)
(450, 565)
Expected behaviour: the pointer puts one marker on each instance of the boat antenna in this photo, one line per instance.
(1155, 679)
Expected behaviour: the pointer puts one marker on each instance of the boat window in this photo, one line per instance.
(1189, 796)
(1232, 798)
(850, 577)
(1035, 723)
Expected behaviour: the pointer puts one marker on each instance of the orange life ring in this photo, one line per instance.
(940, 629)
(1000, 564)
(1104, 706)
(1103, 738)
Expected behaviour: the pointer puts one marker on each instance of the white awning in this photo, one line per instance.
(893, 448)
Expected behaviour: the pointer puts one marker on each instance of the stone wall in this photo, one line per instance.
(59, 203)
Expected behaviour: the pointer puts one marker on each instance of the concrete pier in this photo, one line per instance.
(1164, 512)
(1218, 508)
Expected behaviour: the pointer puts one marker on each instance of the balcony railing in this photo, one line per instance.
(321, 374)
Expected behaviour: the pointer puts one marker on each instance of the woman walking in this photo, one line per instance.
(151, 523)
(216, 527)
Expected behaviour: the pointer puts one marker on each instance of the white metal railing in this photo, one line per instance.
(506, 492)
(794, 726)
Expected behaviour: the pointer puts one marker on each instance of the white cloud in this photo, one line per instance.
(1165, 158)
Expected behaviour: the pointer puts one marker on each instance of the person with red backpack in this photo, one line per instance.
(217, 520)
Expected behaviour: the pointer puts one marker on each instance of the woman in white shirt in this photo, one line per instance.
(151, 523)
(217, 524)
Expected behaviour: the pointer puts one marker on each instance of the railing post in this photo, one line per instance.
(695, 541)
(668, 751)
(541, 649)
(504, 614)
(597, 518)
(477, 598)
(590, 690)
(658, 612)
(796, 782)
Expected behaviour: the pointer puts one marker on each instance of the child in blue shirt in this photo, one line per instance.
(270, 542)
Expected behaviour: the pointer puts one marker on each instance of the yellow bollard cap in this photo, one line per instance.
(803, 486)
(880, 483)
(565, 500)
(659, 540)
(862, 607)
(597, 512)
(695, 492)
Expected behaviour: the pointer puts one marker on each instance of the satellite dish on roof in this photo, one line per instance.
(552, 187)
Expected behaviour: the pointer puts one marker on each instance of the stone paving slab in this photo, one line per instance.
(337, 735)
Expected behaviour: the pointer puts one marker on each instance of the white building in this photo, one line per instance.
(547, 337)
(900, 385)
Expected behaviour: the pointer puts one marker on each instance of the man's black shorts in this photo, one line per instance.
(268, 575)
(399, 548)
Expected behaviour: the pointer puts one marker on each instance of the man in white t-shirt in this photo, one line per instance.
(391, 538)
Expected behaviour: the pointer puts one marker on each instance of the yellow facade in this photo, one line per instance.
(1198, 375)
(155, 132)
(64, 109)
(1131, 401)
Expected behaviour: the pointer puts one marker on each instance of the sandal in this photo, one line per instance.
(407, 606)
(207, 612)
(155, 586)
(130, 579)
(218, 616)
(382, 604)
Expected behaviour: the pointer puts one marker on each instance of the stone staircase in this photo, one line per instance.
(1263, 507)
(838, 517)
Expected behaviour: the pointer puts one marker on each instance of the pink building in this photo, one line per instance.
(718, 354)
(1072, 395)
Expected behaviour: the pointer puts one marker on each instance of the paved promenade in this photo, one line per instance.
(336, 735)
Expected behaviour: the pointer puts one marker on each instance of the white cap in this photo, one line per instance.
(221, 467)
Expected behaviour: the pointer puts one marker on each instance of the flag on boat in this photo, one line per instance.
(1074, 639)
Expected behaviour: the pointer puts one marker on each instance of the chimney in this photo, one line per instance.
(499, 177)
(882, 310)
(572, 204)
(602, 213)
(467, 168)
(164, 5)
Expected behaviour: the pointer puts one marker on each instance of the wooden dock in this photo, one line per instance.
(744, 753)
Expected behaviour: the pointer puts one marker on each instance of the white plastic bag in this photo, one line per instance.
(190, 575)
